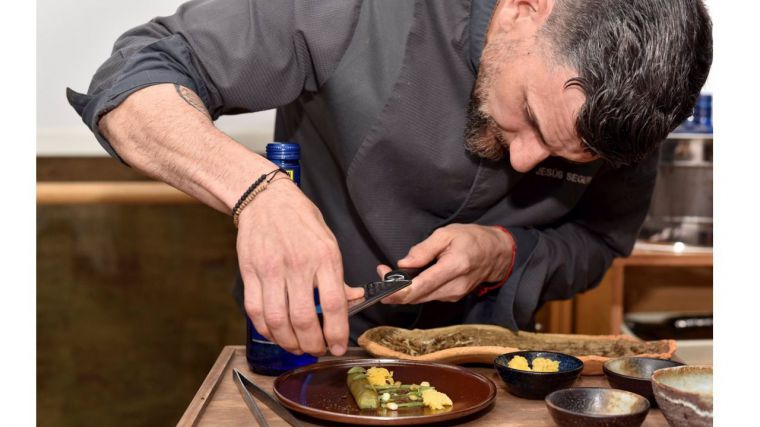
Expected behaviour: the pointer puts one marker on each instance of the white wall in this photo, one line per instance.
(73, 38)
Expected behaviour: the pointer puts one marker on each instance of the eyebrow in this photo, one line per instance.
(533, 121)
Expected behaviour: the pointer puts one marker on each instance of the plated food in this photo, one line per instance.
(375, 388)
(482, 343)
(322, 391)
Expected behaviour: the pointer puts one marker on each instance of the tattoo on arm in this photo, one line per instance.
(191, 98)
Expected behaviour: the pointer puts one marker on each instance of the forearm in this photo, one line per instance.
(166, 133)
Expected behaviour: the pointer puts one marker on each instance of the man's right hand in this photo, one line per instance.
(285, 250)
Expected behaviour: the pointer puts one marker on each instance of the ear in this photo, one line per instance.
(521, 15)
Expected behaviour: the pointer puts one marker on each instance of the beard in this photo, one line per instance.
(482, 135)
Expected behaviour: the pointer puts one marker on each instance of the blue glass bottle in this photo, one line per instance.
(703, 114)
(265, 357)
(700, 120)
(286, 155)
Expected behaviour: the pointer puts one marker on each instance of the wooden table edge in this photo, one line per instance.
(203, 396)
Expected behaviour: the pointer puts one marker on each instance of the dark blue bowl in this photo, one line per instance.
(536, 385)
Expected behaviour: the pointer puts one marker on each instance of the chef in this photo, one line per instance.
(510, 146)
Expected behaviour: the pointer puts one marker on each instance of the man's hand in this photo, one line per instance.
(285, 250)
(466, 254)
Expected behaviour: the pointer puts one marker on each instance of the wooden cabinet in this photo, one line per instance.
(645, 281)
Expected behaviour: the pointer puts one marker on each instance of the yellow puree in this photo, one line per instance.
(540, 364)
(379, 376)
(433, 399)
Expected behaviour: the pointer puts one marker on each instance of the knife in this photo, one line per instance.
(248, 389)
(392, 282)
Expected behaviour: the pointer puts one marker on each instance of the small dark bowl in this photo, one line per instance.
(536, 385)
(634, 374)
(596, 406)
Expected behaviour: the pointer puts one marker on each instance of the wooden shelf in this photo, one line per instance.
(663, 259)
(600, 311)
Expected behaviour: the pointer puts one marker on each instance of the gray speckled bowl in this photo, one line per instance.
(684, 394)
(635, 374)
(597, 407)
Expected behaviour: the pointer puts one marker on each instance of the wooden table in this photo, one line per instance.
(218, 402)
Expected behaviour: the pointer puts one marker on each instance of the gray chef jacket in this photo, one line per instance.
(375, 92)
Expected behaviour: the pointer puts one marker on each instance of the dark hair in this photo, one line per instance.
(641, 64)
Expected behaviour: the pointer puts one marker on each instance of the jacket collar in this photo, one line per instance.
(480, 16)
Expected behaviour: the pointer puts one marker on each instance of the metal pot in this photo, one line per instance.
(681, 209)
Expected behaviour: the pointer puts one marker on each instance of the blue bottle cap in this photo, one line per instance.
(283, 151)
(704, 100)
(703, 114)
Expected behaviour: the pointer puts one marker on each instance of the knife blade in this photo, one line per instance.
(248, 389)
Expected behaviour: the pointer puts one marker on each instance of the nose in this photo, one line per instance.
(525, 152)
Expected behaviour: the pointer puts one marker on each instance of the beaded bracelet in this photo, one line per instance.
(257, 187)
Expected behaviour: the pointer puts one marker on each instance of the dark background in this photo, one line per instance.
(134, 304)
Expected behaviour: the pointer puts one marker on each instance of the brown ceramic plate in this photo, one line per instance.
(320, 391)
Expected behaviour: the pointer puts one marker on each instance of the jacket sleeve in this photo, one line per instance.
(237, 55)
(572, 256)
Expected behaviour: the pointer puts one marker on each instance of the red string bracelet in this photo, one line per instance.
(482, 290)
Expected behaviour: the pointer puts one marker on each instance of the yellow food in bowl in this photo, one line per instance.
(519, 362)
(540, 364)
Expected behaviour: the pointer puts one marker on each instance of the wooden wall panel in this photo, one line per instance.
(134, 304)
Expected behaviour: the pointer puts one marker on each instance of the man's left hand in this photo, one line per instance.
(465, 256)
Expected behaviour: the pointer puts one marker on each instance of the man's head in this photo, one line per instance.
(584, 79)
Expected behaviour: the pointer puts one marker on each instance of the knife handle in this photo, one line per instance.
(398, 275)
(410, 272)
(402, 273)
